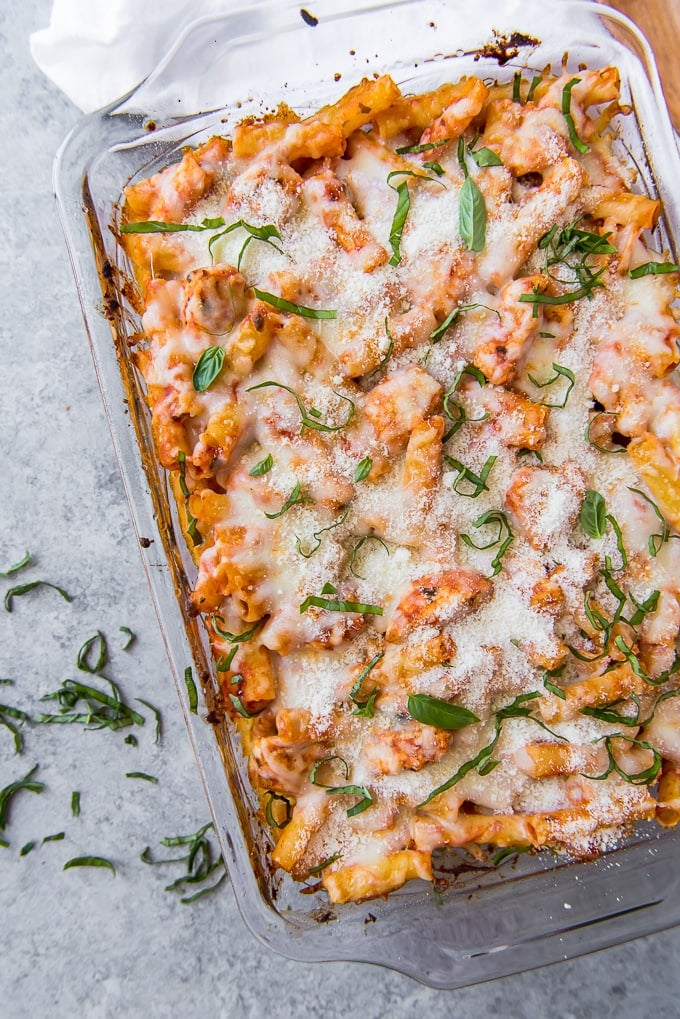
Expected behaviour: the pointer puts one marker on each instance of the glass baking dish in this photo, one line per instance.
(489, 921)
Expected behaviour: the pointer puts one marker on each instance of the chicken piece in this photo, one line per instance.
(545, 501)
(504, 343)
(436, 599)
(412, 747)
(398, 404)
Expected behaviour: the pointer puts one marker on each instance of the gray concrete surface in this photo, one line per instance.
(83, 943)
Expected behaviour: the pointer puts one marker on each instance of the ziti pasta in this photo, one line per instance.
(410, 363)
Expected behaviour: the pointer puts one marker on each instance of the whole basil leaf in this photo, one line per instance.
(472, 216)
(594, 514)
(486, 157)
(208, 367)
(443, 714)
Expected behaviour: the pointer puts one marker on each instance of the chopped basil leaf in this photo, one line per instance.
(536, 80)
(619, 544)
(478, 482)
(655, 540)
(411, 173)
(390, 348)
(653, 269)
(142, 775)
(129, 635)
(157, 714)
(262, 467)
(340, 606)
(206, 891)
(435, 167)
(354, 790)
(255, 233)
(450, 320)
(208, 367)
(156, 226)
(517, 87)
(317, 536)
(458, 415)
(402, 209)
(326, 760)
(594, 514)
(21, 589)
(223, 663)
(509, 851)
(442, 714)
(329, 589)
(23, 562)
(234, 638)
(7, 794)
(7, 712)
(559, 371)
(521, 453)
(477, 762)
(269, 813)
(295, 309)
(504, 536)
(601, 449)
(131, 740)
(607, 714)
(186, 840)
(296, 498)
(425, 147)
(192, 528)
(25, 850)
(636, 665)
(566, 110)
(89, 861)
(646, 777)
(357, 549)
(365, 708)
(518, 708)
(363, 469)
(59, 837)
(455, 412)
(548, 676)
(307, 419)
(313, 871)
(17, 713)
(240, 707)
(192, 693)
(83, 662)
(585, 290)
(18, 738)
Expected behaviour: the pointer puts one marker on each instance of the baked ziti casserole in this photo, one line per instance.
(410, 364)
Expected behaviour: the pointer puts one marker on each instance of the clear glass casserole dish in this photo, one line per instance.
(491, 921)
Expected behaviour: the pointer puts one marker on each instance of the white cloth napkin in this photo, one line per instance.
(97, 50)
